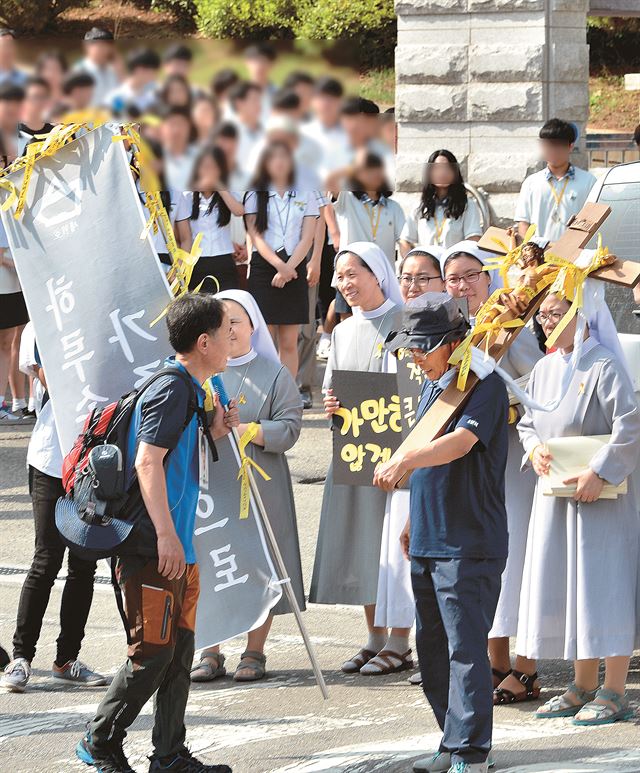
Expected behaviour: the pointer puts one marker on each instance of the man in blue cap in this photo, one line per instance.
(456, 537)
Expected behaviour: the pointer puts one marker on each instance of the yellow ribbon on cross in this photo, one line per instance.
(569, 284)
(243, 473)
(462, 353)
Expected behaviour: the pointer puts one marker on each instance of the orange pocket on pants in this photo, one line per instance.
(157, 610)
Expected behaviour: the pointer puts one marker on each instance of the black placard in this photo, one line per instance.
(368, 427)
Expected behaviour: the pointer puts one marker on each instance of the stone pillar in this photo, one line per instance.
(480, 77)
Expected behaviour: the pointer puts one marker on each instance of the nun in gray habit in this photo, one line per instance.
(348, 550)
(267, 395)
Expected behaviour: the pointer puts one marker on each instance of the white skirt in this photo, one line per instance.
(395, 606)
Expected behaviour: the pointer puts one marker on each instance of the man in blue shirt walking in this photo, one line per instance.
(456, 538)
(156, 567)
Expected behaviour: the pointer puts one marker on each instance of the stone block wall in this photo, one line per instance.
(479, 77)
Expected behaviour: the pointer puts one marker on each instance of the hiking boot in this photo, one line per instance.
(440, 762)
(184, 762)
(110, 759)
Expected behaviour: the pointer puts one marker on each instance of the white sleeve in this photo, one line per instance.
(311, 210)
(251, 203)
(184, 203)
(471, 219)
(399, 220)
(523, 207)
(410, 228)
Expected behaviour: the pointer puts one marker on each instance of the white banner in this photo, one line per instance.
(238, 581)
(91, 285)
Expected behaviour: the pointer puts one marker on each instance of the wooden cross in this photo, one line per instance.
(580, 230)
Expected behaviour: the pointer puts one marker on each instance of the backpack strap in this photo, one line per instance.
(194, 407)
(119, 600)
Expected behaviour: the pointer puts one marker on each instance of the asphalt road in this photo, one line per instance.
(280, 724)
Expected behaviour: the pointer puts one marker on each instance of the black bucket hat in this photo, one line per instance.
(432, 320)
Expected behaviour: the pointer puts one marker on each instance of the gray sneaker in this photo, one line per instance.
(75, 672)
(16, 675)
(440, 762)
(7, 418)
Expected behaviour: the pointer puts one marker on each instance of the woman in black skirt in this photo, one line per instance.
(281, 223)
(208, 210)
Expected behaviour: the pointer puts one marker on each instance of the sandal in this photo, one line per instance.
(615, 710)
(502, 696)
(354, 665)
(253, 661)
(387, 662)
(204, 670)
(561, 706)
(499, 676)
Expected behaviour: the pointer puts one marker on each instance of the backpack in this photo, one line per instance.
(100, 512)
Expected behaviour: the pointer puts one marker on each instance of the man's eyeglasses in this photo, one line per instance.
(406, 280)
(470, 278)
(554, 317)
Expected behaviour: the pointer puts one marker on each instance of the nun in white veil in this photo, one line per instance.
(579, 593)
(267, 397)
(348, 550)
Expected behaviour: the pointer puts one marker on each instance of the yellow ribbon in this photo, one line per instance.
(569, 284)
(243, 473)
(50, 143)
(462, 353)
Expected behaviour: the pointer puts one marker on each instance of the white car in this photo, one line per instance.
(619, 188)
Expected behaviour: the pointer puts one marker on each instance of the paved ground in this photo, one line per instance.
(279, 725)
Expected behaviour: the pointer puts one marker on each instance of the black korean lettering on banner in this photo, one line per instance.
(367, 428)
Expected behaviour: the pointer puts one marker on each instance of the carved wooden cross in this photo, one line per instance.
(580, 230)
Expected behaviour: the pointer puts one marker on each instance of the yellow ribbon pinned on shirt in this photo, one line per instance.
(569, 284)
(243, 473)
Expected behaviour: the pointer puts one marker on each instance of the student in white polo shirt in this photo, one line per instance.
(363, 207)
(281, 222)
(550, 197)
(445, 215)
(207, 209)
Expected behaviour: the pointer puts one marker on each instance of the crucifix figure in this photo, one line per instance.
(501, 319)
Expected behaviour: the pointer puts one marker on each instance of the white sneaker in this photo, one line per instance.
(6, 417)
(323, 349)
(16, 675)
(440, 762)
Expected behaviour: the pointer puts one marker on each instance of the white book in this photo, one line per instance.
(569, 457)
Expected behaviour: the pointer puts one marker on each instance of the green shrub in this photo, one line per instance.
(368, 25)
(32, 16)
(184, 11)
(246, 19)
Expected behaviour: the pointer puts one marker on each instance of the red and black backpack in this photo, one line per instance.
(94, 474)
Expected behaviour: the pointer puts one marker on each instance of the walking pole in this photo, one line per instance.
(219, 389)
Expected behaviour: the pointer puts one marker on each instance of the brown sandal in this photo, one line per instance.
(499, 676)
(354, 665)
(503, 696)
(386, 662)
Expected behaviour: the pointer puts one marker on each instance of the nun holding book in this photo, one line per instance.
(271, 412)
(580, 583)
